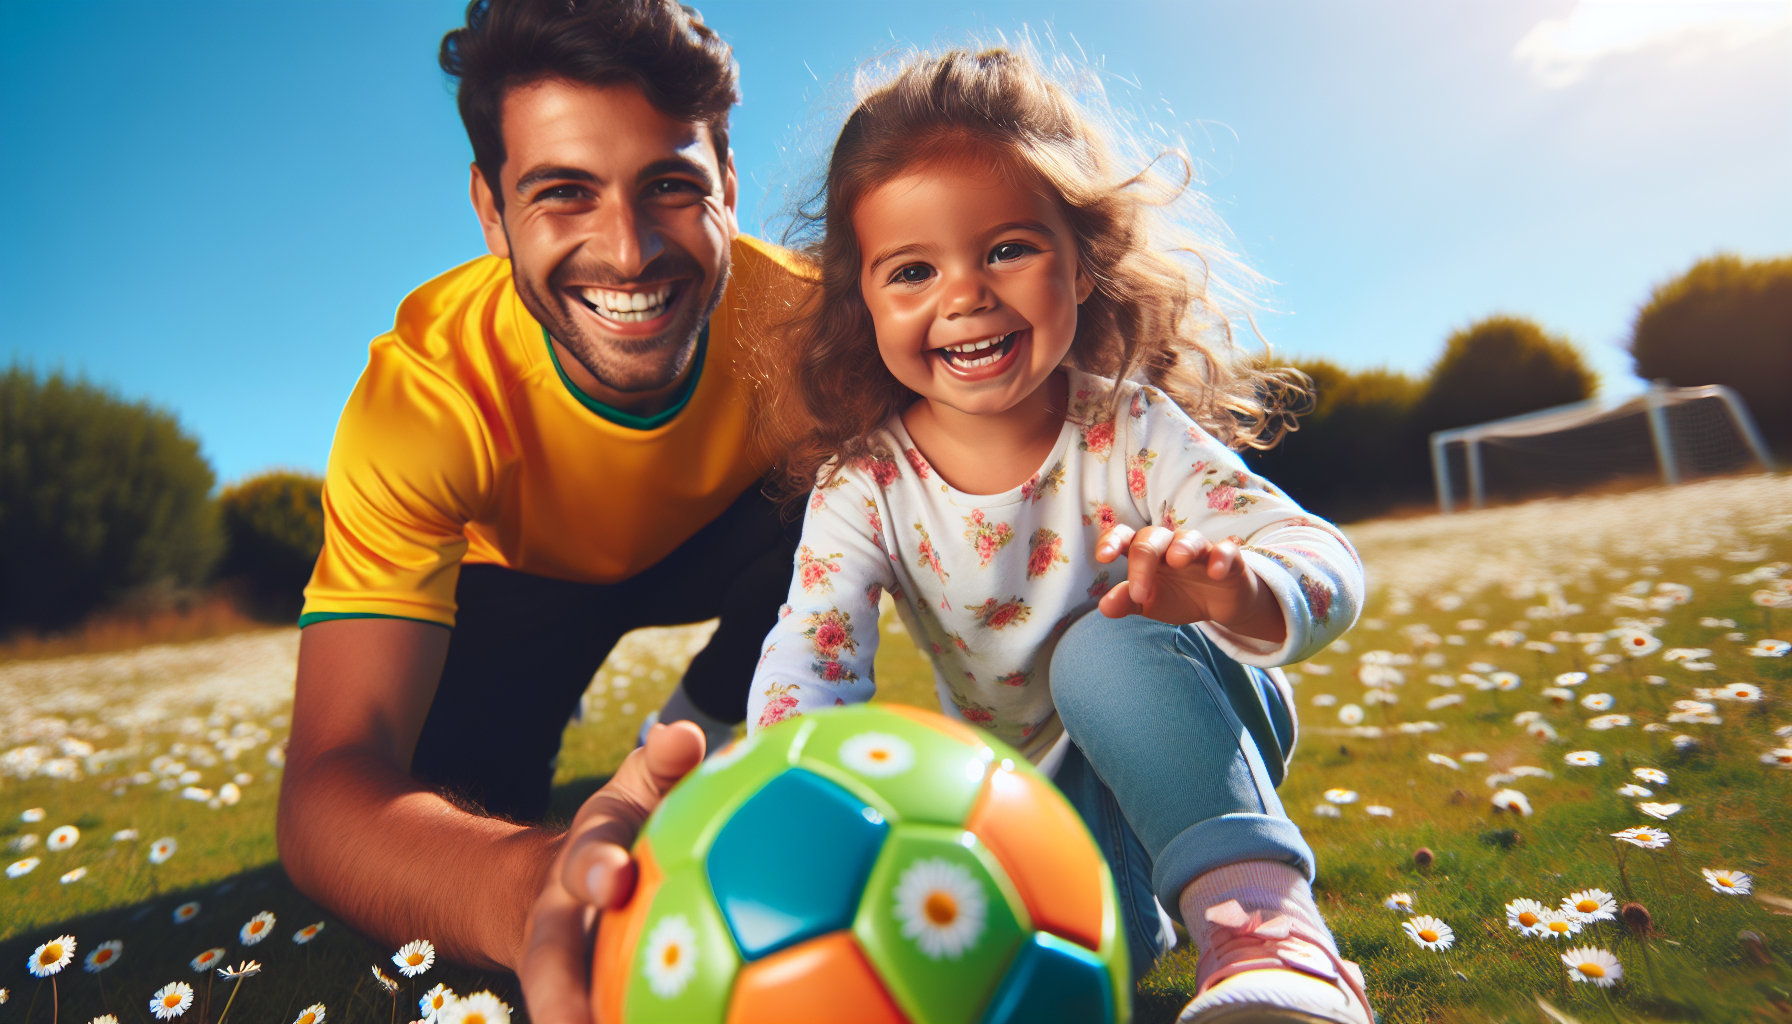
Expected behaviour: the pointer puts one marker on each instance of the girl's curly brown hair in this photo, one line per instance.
(824, 388)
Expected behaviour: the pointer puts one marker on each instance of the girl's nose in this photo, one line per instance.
(966, 295)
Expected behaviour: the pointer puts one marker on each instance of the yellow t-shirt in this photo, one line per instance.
(464, 442)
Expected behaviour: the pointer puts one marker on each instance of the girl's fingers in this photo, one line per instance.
(1142, 559)
(1224, 561)
(1112, 543)
(1186, 549)
(1117, 603)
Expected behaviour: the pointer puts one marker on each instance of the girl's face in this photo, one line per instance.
(972, 281)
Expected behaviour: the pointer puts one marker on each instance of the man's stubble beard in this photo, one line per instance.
(616, 362)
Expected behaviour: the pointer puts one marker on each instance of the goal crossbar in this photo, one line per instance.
(1652, 404)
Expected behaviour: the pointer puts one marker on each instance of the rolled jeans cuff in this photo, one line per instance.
(1227, 839)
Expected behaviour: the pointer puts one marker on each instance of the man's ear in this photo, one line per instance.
(1085, 285)
(731, 196)
(491, 222)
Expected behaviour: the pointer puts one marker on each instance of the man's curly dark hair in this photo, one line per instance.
(680, 64)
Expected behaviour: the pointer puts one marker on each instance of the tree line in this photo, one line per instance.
(108, 503)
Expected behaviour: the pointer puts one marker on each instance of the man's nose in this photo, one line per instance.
(627, 240)
(965, 294)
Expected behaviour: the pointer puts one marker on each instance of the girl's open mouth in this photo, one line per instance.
(981, 352)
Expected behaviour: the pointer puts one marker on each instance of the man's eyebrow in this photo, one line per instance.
(540, 174)
(678, 165)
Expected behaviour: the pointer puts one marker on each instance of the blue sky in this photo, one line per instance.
(215, 205)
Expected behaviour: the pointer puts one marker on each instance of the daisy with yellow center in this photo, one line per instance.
(478, 1008)
(1340, 796)
(73, 875)
(1653, 776)
(1400, 902)
(1558, 925)
(671, 956)
(62, 838)
(1729, 883)
(415, 957)
(384, 979)
(1597, 702)
(307, 933)
(1592, 965)
(171, 1000)
(1430, 933)
(1583, 758)
(103, 956)
(104, 1018)
(1661, 811)
(207, 960)
(878, 755)
(21, 868)
(259, 927)
(161, 850)
(434, 1002)
(313, 1014)
(1632, 789)
(1746, 692)
(1525, 917)
(1781, 756)
(185, 912)
(51, 957)
(1512, 800)
(1645, 837)
(942, 907)
(1591, 905)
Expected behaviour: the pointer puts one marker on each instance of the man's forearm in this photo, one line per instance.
(398, 862)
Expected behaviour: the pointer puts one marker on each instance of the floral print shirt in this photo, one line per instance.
(987, 583)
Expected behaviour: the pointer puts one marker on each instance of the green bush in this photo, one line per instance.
(1725, 321)
(274, 528)
(1498, 367)
(1348, 460)
(98, 497)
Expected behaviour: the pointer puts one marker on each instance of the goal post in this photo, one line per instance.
(1671, 431)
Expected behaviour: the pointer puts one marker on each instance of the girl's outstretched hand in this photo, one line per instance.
(1183, 577)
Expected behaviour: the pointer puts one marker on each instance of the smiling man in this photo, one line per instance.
(551, 447)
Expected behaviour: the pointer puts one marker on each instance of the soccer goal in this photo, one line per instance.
(1676, 432)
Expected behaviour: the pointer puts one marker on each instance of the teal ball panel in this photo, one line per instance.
(1053, 982)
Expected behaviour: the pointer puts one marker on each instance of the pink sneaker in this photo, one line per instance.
(1273, 972)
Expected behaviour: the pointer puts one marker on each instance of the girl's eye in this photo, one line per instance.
(914, 273)
(1010, 251)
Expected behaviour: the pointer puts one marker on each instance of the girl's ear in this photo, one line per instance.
(1085, 285)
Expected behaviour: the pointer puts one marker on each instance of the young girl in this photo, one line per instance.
(1091, 568)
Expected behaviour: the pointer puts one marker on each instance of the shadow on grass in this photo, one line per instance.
(333, 969)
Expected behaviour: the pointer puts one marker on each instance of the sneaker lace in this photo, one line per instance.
(1246, 942)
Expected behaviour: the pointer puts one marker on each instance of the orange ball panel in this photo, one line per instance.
(1048, 855)
(822, 981)
(933, 719)
(617, 934)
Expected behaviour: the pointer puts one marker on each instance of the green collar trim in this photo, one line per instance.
(629, 420)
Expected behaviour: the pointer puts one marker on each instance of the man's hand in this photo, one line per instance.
(593, 872)
(1183, 577)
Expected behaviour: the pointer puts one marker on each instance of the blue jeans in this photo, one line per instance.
(1176, 750)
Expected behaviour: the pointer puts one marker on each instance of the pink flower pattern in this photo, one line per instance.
(1015, 679)
(880, 467)
(1045, 551)
(830, 632)
(1099, 439)
(1039, 486)
(986, 537)
(1318, 597)
(1136, 468)
(812, 570)
(995, 614)
(918, 463)
(1102, 517)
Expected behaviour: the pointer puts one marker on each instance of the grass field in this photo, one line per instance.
(1433, 704)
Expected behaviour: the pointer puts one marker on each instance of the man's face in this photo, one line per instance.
(617, 221)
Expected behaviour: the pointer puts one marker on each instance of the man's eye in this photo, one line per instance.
(562, 192)
(672, 187)
(1009, 251)
(914, 273)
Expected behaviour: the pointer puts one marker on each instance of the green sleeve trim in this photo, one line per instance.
(628, 419)
(313, 618)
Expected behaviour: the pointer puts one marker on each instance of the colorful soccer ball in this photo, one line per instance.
(876, 864)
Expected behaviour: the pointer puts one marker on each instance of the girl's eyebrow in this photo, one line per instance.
(1024, 225)
(890, 254)
(1037, 227)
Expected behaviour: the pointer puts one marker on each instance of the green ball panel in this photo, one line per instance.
(691, 984)
(685, 825)
(1113, 947)
(926, 776)
(940, 959)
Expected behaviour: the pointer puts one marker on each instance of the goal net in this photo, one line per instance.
(1666, 432)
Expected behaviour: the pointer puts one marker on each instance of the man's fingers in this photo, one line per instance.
(672, 751)
(1113, 541)
(554, 971)
(597, 867)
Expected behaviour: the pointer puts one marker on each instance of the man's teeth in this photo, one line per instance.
(627, 307)
(961, 355)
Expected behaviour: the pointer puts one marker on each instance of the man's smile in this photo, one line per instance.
(633, 309)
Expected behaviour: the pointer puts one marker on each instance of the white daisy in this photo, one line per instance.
(1378, 811)
(1525, 917)
(103, 956)
(1444, 759)
(1474, 757)
(413, 958)
(1557, 694)
(1781, 756)
(1340, 796)
(1527, 717)
(186, 912)
(21, 868)
(1324, 700)
(245, 969)
(1729, 883)
(125, 835)
(1596, 966)
(1653, 776)
(671, 959)
(1591, 904)
(877, 754)
(1632, 789)
(1328, 811)
(51, 957)
(385, 980)
(1661, 811)
(1512, 800)
(1400, 902)
(729, 755)
(1645, 837)
(307, 933)
(434, 1002)
(1769, 649)
(941, 906)
(73, 875)
(161, 850)
(1583, 758)
(1429, 933)
(478, 1008)
(1350, 714)
(1557, 924)
(313, 1014)
(1541, 731)
(1571, 679)
(1747, 693)
(171, 1000)
(1506, 682)
(62, 838)
(104, 1018)
(1597, 702)
(258, 927)
(1604, 722)
(32, 814)
(207, 960)
(1636, 642)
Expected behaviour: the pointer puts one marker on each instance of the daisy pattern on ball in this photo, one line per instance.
(1643, 836)
(1729, 883)
(1339, 796)
(1591, 905)
(415, 957)
(434, 1002)
(103, 956)
(51, 957)
(1429, 933)
(207, 960)
(1525, 916)
(478, 1008)
(257, 928)
(1400, 902)
(1653, 776)
(186, 912)
(670, 959)
(1559, 924)
(942, 907)
(878, 755)
(729, 755)
(1592, 965)
(171, 1000)
(1583, 758)
(313, 1014)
